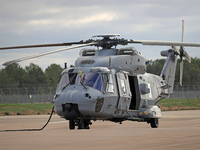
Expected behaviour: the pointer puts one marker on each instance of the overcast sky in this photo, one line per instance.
(24, 22)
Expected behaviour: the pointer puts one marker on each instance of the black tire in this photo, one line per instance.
(71, 124)
(154, 122)
(86, 125)
(81, 124)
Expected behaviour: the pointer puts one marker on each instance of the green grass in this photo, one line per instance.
(45, 108)
(180, 104)
(25, 109)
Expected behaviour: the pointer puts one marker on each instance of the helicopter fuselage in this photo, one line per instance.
(109, 85)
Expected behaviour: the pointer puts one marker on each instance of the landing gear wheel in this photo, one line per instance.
(71, 124)
(83, 124)
(154, 122)
(86, 125)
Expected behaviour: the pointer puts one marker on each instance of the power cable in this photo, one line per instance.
(32, 129)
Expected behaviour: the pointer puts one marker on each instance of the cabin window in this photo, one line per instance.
(107, 83)
(123, 86)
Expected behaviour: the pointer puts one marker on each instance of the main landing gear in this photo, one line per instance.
(153, 122)
(82, 124)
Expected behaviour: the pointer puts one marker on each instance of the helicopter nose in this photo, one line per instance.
(76, 102)
(81, 98)
(77, 96)
(87, 102)
(71, 111)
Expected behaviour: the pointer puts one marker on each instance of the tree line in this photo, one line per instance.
(16, 75)
(33, 74)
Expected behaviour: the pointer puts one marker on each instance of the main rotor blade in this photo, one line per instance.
(47, 53)
(41, 45)
(164, 43)
(182, 30)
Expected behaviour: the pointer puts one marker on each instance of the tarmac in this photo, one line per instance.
(178, 130)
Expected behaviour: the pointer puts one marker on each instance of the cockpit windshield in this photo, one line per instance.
(100, 81)
(91, 79)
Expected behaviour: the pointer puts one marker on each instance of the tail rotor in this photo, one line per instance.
(182, 53)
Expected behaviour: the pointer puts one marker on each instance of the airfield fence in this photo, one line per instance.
(27, 94)
(44, 93)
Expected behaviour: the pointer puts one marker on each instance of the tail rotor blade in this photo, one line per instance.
(176, 49)
(187, 56)
(181, 72)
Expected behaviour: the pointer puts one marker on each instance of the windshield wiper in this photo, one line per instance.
(65, 86)
(82, 80)
(83, 85)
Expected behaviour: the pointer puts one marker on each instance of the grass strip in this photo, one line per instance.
(25, 109)
(180, 104)
(45, 108)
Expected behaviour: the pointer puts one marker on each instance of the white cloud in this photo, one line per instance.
(73, 21)
(34, 22)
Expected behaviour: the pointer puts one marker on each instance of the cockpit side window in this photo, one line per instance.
(65, 80)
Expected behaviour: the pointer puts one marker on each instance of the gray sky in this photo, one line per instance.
(24, 22)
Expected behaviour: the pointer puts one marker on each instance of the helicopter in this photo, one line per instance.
(112, 84)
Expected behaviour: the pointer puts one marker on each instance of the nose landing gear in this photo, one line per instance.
(82, 124)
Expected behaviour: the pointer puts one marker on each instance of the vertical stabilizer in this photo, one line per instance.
(169, 69)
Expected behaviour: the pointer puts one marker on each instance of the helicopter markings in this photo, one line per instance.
(79, 72)
(146, 112)
(141, 113)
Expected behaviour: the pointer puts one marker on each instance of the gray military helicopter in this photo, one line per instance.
(112, 84)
